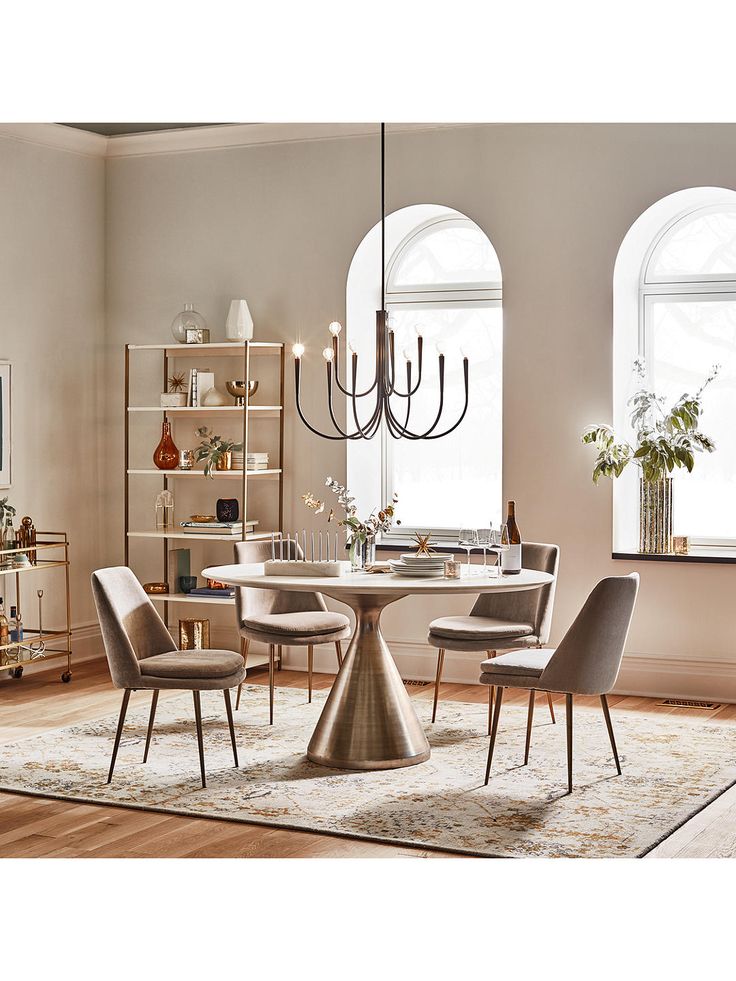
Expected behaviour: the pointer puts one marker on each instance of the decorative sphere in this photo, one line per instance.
(335, 328)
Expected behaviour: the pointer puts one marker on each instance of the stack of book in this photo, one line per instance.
(257, 461)
(234, 528)
(214, 593)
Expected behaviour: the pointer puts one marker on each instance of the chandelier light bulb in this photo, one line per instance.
(297, 350)
(335, 328)
(418, 330)
(440, 348)
(407, 354)
(351, 347)
(328, 354)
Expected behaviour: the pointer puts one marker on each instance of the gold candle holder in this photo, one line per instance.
(452, 569)
(194, 634)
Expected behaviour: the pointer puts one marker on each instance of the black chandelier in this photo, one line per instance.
(384, 380)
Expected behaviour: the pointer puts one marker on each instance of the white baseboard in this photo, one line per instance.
(650, 675)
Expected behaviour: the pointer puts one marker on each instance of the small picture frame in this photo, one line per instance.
(5, 424)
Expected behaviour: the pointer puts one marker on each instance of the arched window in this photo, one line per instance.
(443, 278)
(686, 301)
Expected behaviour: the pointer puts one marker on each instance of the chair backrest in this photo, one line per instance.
(589, 656)
(531, 605)
(250, 601)
(131, 628)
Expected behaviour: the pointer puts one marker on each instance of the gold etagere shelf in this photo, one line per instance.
(34, 645)
(247, 413)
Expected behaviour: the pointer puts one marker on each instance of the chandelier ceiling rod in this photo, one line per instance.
(384, 378)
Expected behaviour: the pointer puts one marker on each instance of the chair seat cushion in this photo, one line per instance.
(191, 664)
(478, 628)
(307, 624)
(530, 664)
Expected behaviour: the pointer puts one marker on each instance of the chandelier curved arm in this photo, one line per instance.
(297, 387)
(465, 407)
(389, 415)
(358, 434)
(403, 431)
(371, 428)
(343, 389)
(410, 391)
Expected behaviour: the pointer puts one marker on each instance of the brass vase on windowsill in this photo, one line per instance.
(655, 516)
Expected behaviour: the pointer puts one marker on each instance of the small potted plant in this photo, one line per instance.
(216, 451)
(665, 439)
(176, 396)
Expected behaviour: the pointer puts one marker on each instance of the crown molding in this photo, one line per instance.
(56, 137)
(248, 134)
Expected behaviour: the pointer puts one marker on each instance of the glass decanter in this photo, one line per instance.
(188, 318)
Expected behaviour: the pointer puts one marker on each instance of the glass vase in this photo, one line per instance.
(655, 516)
(166, 455)
(362, 553)
(187, 319)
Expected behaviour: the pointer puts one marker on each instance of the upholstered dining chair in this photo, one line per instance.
(500, 622)
(284, 617)
(586, 662)
(142, 655)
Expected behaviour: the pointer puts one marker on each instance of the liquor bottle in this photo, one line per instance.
(511, 558)
(16, 628)
(4, 630)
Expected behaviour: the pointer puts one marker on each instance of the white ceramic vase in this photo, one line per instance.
(239, 323)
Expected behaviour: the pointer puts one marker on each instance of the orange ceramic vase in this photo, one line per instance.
(166, 455)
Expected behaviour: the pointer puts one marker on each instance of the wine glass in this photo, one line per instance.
(502, 545)
(468, 539)
(485, 538)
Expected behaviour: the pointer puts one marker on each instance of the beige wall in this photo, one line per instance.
(52, 329)
(279, 224)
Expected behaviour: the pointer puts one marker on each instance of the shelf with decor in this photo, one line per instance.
(33, 643)
(146, 362)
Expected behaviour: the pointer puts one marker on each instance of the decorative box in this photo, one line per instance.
(173, 400)
(197, 335)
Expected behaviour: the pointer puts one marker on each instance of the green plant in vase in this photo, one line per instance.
(216, 451)
(665, 439)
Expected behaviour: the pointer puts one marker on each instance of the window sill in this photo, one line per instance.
(718, 556)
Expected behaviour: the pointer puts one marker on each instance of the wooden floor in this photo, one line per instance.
(31, 826)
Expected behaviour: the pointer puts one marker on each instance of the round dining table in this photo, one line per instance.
(368, 722)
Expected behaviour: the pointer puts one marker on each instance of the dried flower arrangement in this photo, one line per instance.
(359, 531)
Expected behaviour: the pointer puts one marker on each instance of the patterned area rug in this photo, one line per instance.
(672, 767)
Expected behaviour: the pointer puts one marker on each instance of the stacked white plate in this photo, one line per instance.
(419, 566)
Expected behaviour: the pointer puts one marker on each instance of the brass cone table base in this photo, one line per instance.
(368, 722)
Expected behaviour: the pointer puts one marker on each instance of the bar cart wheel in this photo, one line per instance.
(17, 672)
(66, 677)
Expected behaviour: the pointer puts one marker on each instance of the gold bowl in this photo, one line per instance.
(237, 390)
(202, 518)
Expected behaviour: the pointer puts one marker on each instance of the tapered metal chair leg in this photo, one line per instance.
(310, 669)
(529, 719)
(244, 645)
(494, 730)
(118, 734)
(338, 648)
(154, 703)
(271, 650)
(491, 689)
(280, 656)
(229, 710)
(551, 707)
(200, 740)
(609, 726)
(437, 680)
(568, 722)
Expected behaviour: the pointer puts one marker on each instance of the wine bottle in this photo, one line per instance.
(511, 558)
(4, 631)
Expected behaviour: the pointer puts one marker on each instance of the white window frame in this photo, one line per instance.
(428, 297)
(680, 288)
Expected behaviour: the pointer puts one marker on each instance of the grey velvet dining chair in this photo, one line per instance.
(586, 662)
(284, 618)
(142, 655)
(501, 621)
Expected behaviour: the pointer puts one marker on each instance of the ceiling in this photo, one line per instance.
(125, 129)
